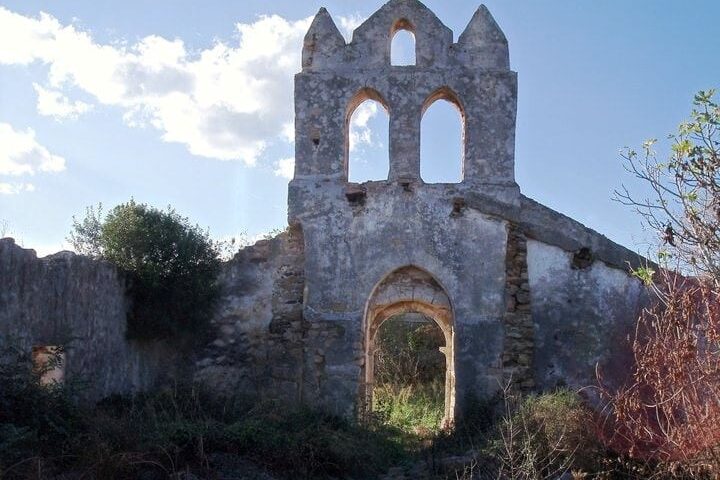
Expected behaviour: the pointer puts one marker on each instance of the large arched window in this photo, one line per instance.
(442, 138)
(367, 137)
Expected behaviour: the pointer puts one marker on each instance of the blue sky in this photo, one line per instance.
(190, 104)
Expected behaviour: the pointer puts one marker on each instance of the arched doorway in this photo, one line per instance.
(410, 290)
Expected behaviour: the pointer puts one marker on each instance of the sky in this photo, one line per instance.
(189, 104)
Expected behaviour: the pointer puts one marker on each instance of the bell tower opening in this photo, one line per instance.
(402, 47)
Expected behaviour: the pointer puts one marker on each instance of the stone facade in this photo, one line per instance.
(522, 294)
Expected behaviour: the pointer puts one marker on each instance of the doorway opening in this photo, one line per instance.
(409, 361)
(410, 371)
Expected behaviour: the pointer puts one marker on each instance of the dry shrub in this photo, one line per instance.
(668, 414)
(546, 436)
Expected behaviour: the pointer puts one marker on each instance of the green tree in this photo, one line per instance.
(683, 203)
(172, 265)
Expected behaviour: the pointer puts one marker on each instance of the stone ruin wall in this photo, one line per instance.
(259, 327)
(563, 317)
(73, 301)
(566, 314)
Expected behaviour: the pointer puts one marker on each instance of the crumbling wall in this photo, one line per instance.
(258, 328)
(79, 303)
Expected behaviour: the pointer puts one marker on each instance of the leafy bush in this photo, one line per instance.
(173, 265)
(35, 419)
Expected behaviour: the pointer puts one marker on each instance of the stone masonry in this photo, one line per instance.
(80, 304)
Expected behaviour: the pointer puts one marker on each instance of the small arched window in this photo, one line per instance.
(402, 47)
(442, 139)
(367, 138)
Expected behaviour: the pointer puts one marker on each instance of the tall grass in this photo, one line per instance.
(45, 434)
(416, 409)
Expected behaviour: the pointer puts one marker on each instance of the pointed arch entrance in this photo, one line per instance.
(410, 290)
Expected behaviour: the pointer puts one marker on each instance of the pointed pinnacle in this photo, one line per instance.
(482, 30)
(323, 39)
(482, 43)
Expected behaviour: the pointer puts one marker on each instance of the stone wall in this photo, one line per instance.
(73, 301)
(584, 312)
(519, 347)
(259, 327)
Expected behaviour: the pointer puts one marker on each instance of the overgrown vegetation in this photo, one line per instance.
(182, 429)
(416, 409)
(668, 414)
(409, 390)
(185, 432)
(172, 265)
(545, 436)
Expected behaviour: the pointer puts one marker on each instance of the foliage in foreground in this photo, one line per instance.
(44, 433)
(173, 265)
(544, 436)
(683, 201)
(670, 410)
(179, 431)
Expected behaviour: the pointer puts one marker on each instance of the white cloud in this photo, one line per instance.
(15, 188)
(285, 168)
(360, 132)
(229, 101)
(21, 154)
(349, 24)
(53, 103)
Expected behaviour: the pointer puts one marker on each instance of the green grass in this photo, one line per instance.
(415, 409)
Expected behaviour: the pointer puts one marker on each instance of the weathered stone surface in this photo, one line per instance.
(483, 43)
(582, 318)
(79, 303)
(259, 325)
(471, 238)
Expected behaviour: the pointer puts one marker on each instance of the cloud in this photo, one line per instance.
(229, 101)
(21, 155)
(285, 168)
(360, 132)
(53, 103)
(15, 188)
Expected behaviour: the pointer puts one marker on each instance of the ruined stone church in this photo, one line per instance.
(523, 294)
